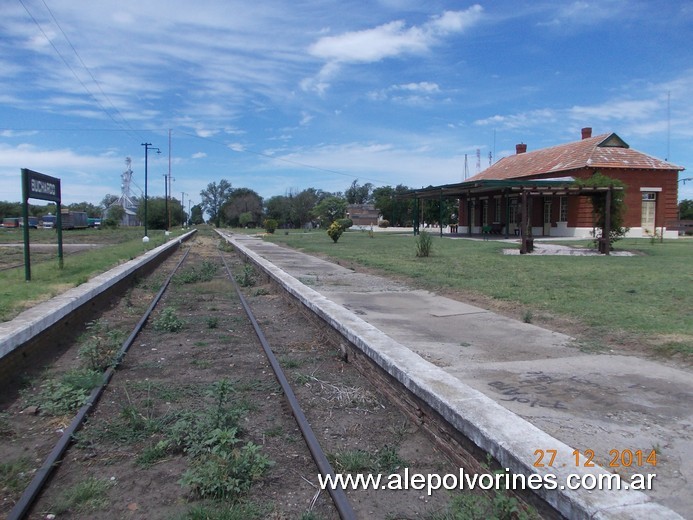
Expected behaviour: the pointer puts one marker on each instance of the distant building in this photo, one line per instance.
(363, 214)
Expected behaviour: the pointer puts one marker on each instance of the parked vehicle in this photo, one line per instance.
(74, 219)
(10, 222)
(48, 221)
(94, 222)
(33, 222)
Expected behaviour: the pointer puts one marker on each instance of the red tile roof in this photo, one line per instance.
(602, 151)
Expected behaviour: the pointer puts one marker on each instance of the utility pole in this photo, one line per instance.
(166, 198)
(147, 146)
(168, 208)
(182, 208)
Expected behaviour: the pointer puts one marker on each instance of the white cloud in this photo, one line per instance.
(199, 155)
(389, 40)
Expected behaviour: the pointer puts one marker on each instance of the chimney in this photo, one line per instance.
(520, 148)
(587, 132)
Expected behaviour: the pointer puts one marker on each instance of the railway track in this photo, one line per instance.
(193, 384)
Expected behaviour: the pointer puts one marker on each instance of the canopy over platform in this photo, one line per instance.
(525, 189)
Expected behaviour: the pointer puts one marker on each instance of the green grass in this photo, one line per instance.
(88, 495)
(648, 294)
(48, 281)
(15, 474)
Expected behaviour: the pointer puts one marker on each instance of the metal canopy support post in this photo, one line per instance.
(440, 213)
(469, 214)
(606, 232)
(524, 247)
(506, 198)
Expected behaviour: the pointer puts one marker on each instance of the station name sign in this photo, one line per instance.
(40, 186)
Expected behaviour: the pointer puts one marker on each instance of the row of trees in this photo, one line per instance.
(228, 206)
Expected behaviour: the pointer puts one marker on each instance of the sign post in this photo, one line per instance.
(39, 186)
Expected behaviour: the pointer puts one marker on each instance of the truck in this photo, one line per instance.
(48, 221)
(33, 222)
(10, 222)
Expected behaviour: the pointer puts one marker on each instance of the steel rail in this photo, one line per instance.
(338, 495)
(21, 508)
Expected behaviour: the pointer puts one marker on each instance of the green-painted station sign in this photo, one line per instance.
(36, 185)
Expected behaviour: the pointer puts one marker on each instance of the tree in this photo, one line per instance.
(618, 207)
(686, 209)
(214, 197)
(397, 211)
(330, 209)
(157, 217)
(196, 215)
(113, 217)
(242, 201)
(91, 210)
(302, 205)
(278, 208)
(356, 194)
(10, 209)
(108, 200)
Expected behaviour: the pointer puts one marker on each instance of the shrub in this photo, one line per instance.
(335, 231)
(61, 397)
(248, 277)
(168, 321)
(423, 244)
(110, 223)
(270, 225)
(384, 223)
(345, 223)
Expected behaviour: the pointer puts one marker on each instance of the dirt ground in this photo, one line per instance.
(168, 374)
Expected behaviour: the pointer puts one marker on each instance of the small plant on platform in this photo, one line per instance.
(168, 321)
(424, 243)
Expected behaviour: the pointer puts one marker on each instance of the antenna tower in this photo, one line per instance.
(478, 160)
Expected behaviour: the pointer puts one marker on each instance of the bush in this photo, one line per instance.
(270, 225)
(168, 321)
(345, 223)
(384, 223)
(335, 231)
(110, 223)
(423, 244)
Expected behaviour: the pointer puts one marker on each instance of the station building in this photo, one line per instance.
(492, 201)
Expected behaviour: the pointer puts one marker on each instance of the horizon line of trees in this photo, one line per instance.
(311, 207)
(243, 207)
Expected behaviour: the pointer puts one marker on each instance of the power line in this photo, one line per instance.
(74, 73)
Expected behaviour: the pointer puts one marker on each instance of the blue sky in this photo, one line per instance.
(280, 96)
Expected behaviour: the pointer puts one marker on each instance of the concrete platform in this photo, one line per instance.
(514, 388)
(35, 320)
